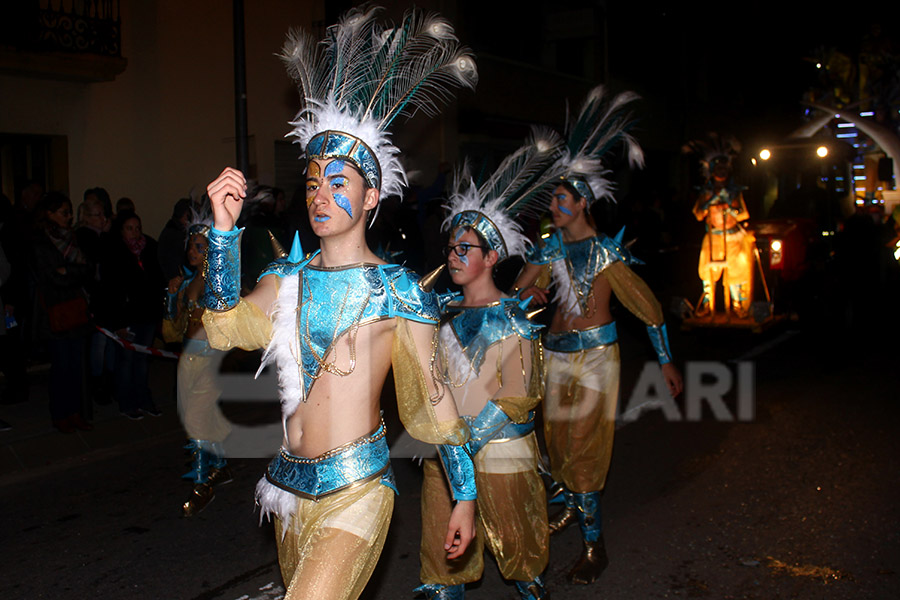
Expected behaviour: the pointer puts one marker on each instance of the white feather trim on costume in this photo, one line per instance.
(565, 297)
(459, 368)
(282, 349)
(273, 500)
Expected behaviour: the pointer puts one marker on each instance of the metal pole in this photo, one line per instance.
(240, 89)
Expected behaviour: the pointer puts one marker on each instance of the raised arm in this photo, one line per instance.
(232, 321)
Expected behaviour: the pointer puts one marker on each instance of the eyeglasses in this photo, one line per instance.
(462, 249)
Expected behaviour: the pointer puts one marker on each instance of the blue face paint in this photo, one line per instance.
(321, 219)
(464, 260)
(459, 233)
(344, 202)
(564, 210)
(334, 167)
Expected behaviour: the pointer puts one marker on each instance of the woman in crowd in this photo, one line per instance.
(62, 320)
(133, 285)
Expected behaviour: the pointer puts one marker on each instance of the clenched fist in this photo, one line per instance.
(226, 198)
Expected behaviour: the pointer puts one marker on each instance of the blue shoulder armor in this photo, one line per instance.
(551, 250)
(406, 298)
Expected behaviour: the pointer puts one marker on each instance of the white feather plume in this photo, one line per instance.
(365, 74)
(600, 124)
(518, 187)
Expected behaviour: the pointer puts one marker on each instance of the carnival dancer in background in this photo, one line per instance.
(580, 349)
(491, 353)
(335, 322)
(198, 391)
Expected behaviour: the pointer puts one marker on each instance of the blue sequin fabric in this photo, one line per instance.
(479, 327)
(339, 300)
(584, 259)
(460, 470)
(337, 144)
(492, 425)
(223, 270)
(361, 460)
(581, 339)
(483, 225)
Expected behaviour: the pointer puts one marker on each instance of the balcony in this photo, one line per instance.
(71, 40)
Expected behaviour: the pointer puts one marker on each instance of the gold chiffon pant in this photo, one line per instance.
(582, 394)
(329, 548)
(512, 516)
(198, 396)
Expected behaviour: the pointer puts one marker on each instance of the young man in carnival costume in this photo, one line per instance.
(580, 349)
(492, 359)
(727, 252)
(335, 321)
(198, 392)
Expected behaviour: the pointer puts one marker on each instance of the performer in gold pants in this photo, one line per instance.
(492, 359)
(335, 322)
(582, 357)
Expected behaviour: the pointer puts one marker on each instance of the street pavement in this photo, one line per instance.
(801, 501)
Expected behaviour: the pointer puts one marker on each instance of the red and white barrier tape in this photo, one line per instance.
(137, 347)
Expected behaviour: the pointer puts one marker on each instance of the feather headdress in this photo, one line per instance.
(715, 149)
(602, 123)
(364, 75)
(520, 186)
(201, 220)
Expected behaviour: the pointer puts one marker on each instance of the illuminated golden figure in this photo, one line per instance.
(727, 252)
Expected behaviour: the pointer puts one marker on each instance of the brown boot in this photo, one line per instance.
(220, 475)
(591, 565)
(200, 498)
(563, 519)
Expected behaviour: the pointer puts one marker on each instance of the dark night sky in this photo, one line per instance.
(735, 63)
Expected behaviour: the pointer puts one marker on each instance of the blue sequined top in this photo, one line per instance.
(477, 328)
(338, 300)
(584, 259)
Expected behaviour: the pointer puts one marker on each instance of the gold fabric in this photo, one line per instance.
(525, 366)
(330, 547)
(198, 396)
(245, 326)
(173, 329)
(580, 415)
(544, 277)
(413, 397)
(634, 293)
(731, 254)
(511, 518)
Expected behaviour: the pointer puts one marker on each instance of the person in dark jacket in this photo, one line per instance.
(60, 272)
(93, 238)
(173, 239)
(133, 285)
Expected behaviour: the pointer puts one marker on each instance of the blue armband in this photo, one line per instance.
(486, 426)
(223, 270)
(659, 337)
(460, 469)
(171, 306)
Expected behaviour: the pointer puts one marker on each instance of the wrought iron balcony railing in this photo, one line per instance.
(67, 26)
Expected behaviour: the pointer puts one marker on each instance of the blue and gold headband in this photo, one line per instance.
(485, 227)
(337, 144)
(581, 186)
(199, 229)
